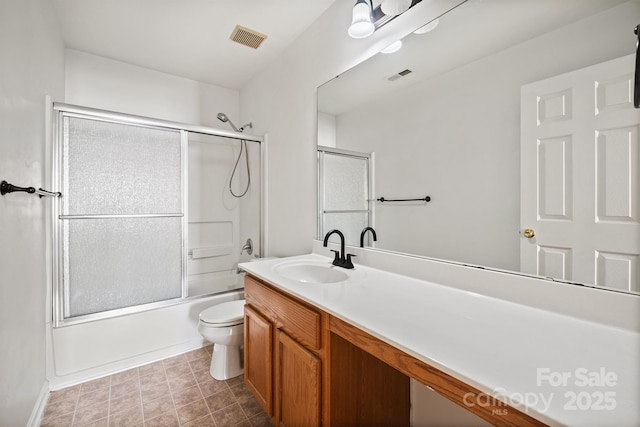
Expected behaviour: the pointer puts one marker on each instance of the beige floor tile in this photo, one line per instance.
(120, 403)
(200, 364)
(229, 416)
(59, 408)
(93, 397)
(178, 370)
(186, 396)
(128, 418)
(220, 400)
(182, 383)
(128, 387)
(178, 391)
(161, 406)
(210, 386)
(192, 411)
(197, 354)
(90, 414)
(206, 421)
(154, 391)
(60, 421)
(166, 420)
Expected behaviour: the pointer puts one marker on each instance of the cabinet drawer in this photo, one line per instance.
(298, 320)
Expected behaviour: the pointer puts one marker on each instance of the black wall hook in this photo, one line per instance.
(5, 188)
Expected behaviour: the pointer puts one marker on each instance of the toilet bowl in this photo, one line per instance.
(223, 325)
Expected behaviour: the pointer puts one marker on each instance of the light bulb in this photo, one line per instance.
(395, 7)
(361, 25)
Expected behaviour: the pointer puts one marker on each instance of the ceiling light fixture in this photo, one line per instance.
(429, 27)
(361, 25)
(395, 7)
(393, 47)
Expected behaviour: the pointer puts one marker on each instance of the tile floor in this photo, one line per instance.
(178, 391)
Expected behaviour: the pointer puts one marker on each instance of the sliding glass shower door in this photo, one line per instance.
(121, 220)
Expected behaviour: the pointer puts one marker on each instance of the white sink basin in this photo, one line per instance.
(311, 272)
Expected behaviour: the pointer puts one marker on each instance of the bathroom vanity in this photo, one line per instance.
(341, 348)
(304, 373)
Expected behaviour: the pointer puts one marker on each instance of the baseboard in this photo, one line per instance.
(39, 407)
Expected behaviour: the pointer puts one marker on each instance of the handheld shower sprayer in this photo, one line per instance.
(224, 119)
(243, 147)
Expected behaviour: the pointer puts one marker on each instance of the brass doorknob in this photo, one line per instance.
(529, 233)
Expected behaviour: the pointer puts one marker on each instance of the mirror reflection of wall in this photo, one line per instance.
(452, 127)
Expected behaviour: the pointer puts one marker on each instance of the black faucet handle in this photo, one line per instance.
(336, 258)
(347, 262)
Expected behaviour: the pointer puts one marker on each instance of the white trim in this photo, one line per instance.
(40, 406)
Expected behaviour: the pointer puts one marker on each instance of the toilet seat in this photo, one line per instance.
(222, 315)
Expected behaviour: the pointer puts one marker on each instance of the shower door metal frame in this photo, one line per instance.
(62, 111)
(369, 157)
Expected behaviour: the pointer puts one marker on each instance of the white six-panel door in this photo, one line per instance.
(580, 181)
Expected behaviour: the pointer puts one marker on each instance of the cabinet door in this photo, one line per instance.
(258, 357)
(299, 384)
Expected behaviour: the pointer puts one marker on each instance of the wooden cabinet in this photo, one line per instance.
(283, 355)
(258, 357)
(300, 381)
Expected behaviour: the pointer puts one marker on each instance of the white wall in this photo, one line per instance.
(456, 137)
(97, 82)
(31, 66)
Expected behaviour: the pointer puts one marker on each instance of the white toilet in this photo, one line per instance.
(223, 325)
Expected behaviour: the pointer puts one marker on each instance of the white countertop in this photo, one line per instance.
(508, 350)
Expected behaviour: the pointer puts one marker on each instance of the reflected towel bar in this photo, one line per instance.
(5, 188)
(424, 199)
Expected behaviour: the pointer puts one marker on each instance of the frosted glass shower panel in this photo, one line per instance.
(111, 263)
(351, 224)
(345, 182)
(114, 168)
(120, 231)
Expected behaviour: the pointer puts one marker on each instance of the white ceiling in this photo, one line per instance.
(188, 38)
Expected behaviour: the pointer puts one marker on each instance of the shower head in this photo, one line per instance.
(224, 119)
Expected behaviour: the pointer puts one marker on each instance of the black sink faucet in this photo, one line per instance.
(339, 260)
(364, 231)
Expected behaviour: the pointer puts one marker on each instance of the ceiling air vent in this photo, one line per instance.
(247, 37)
(400, 74)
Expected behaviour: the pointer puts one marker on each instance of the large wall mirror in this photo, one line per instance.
(516, 117)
